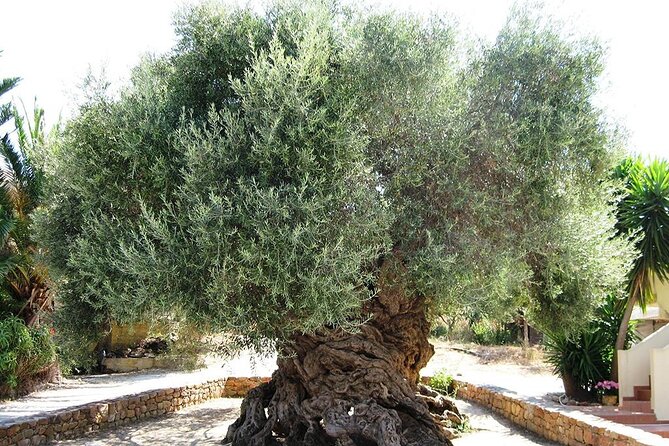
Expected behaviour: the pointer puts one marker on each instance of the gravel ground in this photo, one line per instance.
(207, 423)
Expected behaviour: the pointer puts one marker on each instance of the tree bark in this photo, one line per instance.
(340, 388)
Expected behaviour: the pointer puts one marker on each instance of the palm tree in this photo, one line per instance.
(6, 109)
(24, 289)
(643, 213)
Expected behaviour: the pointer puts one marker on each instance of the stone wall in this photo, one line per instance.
(80, 420)
(558, 423)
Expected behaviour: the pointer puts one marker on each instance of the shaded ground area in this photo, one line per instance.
(207, 423)
(492, 429)
(506, 367)
(204, 424)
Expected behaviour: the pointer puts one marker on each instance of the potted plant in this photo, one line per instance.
(608, 390)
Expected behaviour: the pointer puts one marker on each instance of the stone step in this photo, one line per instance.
(637, 405)
(643, 394)
(630, 417)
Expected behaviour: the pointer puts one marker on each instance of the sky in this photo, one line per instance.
(51, 45)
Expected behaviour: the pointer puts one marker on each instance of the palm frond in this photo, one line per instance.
(8, 264)
(644, 211)
(7, 224)
(9, 162)
(6, 109)
(8, 83)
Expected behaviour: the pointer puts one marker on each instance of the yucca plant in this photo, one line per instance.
(578, 360)
(643, 213)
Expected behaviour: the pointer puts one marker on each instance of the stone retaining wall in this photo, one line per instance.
(76, 421)
(559, 424)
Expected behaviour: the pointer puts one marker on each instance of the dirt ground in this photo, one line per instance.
(505, 357)
(519, 370)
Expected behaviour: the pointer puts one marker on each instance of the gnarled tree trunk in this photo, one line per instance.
(339, 388)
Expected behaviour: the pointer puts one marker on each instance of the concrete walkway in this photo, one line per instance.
(82, 390)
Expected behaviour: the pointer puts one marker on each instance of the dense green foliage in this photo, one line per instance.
(643, 216)
(25, 352)
(490, 332)
(254, 178)
(25, 289)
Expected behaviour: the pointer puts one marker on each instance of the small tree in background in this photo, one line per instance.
(321, 182)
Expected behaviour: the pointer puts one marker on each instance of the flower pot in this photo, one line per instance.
(609, 400)
(572, 390)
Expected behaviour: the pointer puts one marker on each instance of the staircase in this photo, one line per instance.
(635, 411)
(644, 365)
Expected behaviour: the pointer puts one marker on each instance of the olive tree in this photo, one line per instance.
(320, 181)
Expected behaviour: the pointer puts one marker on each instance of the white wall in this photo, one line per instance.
(660, 382)
(634, 365)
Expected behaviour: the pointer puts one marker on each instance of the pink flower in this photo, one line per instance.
(605, 386)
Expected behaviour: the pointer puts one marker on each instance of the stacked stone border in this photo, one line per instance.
(557, 423)
(77, 421)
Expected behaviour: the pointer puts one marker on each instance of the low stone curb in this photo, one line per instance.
(76, 421)
(556, 423)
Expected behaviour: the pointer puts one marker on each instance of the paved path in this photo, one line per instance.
(489, 428)
(204, 424)
(207, 423)
(82, 390)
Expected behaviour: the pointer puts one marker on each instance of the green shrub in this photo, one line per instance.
(439, 331)
(444, 383)
(24, 354)
(487, 332)
(582, 357)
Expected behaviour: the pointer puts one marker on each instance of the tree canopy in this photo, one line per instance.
(256, 178)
